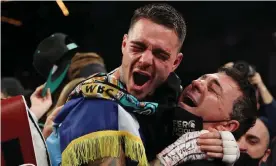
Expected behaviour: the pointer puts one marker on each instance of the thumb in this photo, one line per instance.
(38, 91)
(55, 112)
(211, 129)
(48, 94)
(221, 128)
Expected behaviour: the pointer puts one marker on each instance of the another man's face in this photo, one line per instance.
(255, 140)
(150, 53)
(211, 97)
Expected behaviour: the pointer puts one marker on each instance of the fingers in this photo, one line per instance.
(48, 95)
(212, 129)
(255, 79)
(55, 112)
(252, 80)
(40, 87)
(257, 75)
(38, 91)
(215, 149)
(221, 128)
(229, 64)
(214, 155)
(213, 142)
(47, 131)
(214, 135)
(49, 122)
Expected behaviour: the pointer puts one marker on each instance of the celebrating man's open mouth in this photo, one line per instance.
(189, 101)
(140, 79)
(190, 97)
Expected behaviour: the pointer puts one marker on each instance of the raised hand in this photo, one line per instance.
(48, 127)
(39, 104)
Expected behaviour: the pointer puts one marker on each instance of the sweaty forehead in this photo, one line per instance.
(154, 35)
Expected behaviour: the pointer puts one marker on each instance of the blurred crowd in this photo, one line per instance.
(63, 107)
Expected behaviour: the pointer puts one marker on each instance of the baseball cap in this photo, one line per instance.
(52, 59)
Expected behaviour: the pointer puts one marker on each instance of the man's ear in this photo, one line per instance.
(124, 42)
(177, 61)
(266, 155)
(231, 125)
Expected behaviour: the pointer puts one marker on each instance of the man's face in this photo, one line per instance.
(211, 97)
(150, 54)
(255, 140)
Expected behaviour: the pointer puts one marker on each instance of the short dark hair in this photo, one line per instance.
(245, 106)
(11, 86)
(163, 14)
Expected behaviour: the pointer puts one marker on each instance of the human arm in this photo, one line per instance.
(264, 92)
(48, 127)
(201, 145)
(269, 107)
(39, 104)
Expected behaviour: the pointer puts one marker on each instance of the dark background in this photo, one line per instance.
(217, 32)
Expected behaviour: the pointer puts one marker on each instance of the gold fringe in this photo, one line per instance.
(91, 147)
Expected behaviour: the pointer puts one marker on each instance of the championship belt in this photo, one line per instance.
(16, 140)
(107, 87)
